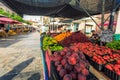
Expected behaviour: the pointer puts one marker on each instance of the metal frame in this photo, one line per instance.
(112, 15)
(89, 15)
(103, 11)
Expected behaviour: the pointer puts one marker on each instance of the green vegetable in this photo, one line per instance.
(114, 45)
(49, 42)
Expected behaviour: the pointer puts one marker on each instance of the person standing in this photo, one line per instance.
(95, 37)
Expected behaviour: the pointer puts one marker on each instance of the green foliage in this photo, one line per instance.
(28, 22)
(114, 45)
(2, 11)
(49, 42)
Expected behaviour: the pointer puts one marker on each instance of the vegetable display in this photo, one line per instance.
(71, 64)
(70, 61)
(74, 38)
(114, 45)
(61, 36)
(51, 43)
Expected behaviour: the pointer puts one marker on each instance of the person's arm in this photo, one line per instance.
(96, 36)
(92, 36)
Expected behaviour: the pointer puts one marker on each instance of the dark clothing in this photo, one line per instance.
(6, 31)
(94, 38)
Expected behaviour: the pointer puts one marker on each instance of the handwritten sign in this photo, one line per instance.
(106, 36)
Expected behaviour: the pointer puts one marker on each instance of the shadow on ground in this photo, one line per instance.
(35, 76)
(11, 40)
(16, 70)
(6, 43)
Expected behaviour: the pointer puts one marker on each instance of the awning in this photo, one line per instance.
(58, 8)
(5, 20)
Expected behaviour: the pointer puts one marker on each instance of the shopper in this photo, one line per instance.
(95, 37)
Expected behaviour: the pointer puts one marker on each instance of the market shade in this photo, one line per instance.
(58, 8)
(5, 20)
(107, 23)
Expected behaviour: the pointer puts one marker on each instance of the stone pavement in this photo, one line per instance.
(20, 58)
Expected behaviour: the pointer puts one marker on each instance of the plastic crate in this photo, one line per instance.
(87, 57)
(93, 63)
(97, 66)
(53, 72)
(116, 36)
(112, 75)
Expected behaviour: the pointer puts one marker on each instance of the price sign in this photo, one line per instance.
(106, 36)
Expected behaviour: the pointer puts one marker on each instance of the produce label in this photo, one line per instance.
(106, 36)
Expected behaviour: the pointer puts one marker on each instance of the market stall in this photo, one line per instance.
(70, 55)
(12, 27)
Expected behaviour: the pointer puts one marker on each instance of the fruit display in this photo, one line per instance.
(75, 37)
(114, 67)
(112, 70)
(114, 45)
(91, 49)
(61, 36)
(71, 64)
(99, 54)
(51, 43)
(11, 33)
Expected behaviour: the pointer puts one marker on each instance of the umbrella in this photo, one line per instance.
(5, 20)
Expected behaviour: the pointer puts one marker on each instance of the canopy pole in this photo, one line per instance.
(113, 10)
(112, 15)
(103, 12)
(116, 7)
(89, 15)
(85, 27)
(60, 9)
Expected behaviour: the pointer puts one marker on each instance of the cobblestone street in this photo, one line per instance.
(20, 58)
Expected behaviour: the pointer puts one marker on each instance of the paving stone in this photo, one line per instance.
(20, 58)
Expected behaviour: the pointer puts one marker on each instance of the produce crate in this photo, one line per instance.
(112, 75)
(53, 72)
(87, 57)
(93, 63)
(116, 36)
(97, 66)
(55, 75)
